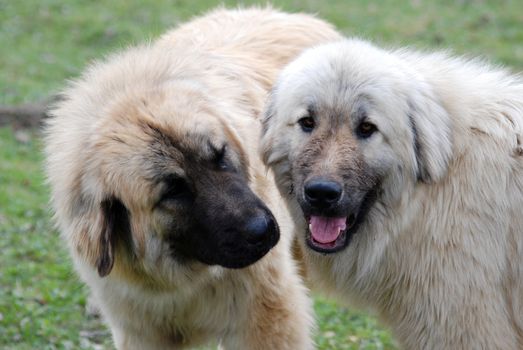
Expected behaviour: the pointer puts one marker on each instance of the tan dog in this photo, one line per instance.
(404, 171)
(162, 197)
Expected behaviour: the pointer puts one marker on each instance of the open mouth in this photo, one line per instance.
(329, 234)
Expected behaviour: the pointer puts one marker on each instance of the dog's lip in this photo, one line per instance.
(331, 247)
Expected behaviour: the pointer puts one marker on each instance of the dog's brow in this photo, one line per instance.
(217, 151)
(159, 135)
(361, 112)
(311, 110)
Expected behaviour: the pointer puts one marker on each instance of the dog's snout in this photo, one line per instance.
(322, 193)
(259, 228)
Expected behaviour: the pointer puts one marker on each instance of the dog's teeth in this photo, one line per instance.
(310, 227)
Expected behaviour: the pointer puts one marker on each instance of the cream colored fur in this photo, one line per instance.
(439, 257)
(210, 75)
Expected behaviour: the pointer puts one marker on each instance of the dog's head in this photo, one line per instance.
(163, 176)
(348, 126)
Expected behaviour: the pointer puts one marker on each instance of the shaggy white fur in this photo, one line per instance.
(439, 254)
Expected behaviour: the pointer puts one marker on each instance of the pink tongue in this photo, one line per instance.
(326, 230)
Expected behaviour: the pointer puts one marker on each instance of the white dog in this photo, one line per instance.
(405, 172)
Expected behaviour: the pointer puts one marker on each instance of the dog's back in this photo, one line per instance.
(256, 36)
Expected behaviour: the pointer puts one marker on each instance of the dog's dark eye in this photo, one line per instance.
(366, 129)
(307, 123)
(219, 158)
(176, 188)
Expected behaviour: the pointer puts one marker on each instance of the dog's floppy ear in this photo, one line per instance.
(273, 147)
(114, 224)
(432, 135)
(267, 128)
(275, 143)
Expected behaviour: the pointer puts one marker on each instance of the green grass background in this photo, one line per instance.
(45, 42)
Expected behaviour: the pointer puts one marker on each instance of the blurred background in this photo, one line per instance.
(45, 42)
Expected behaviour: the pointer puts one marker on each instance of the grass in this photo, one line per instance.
(45, 42)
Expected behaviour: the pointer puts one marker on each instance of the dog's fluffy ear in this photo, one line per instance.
(432, 134)
(274, 147)
(268, 128)
(114, 223)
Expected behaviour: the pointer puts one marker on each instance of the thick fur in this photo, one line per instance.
(112, 147)
(439, 252)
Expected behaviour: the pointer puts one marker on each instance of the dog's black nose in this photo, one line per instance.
(259, 228)
(322, 193)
